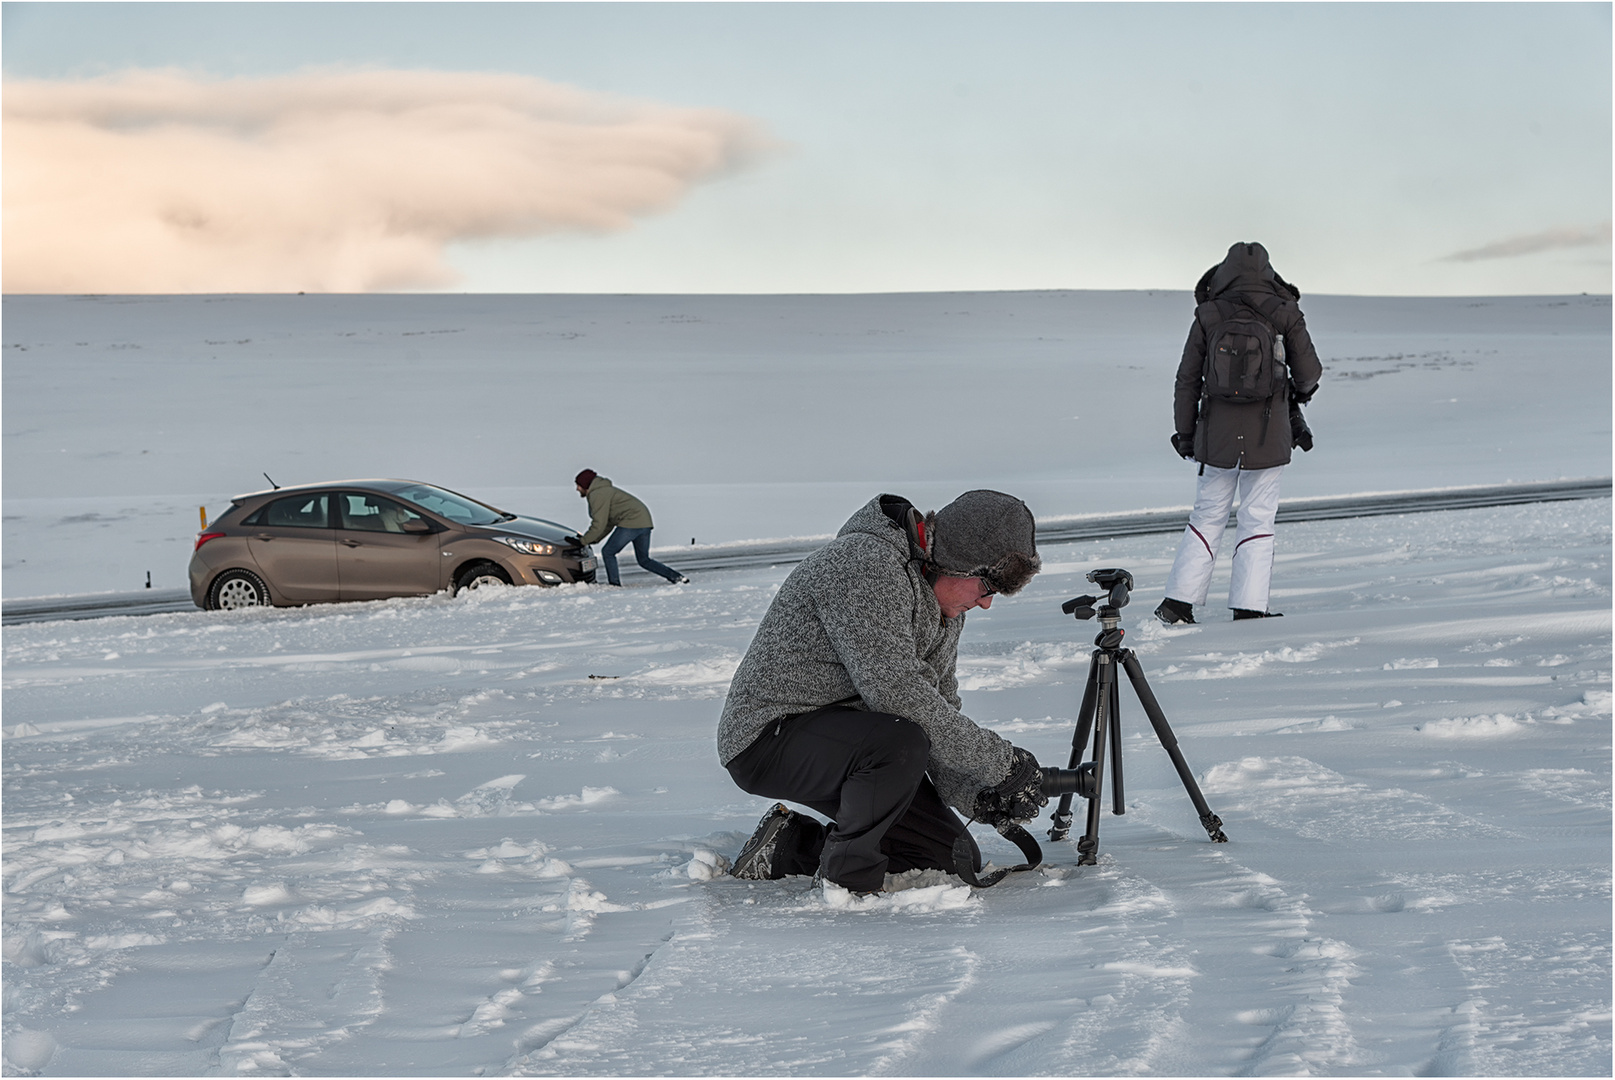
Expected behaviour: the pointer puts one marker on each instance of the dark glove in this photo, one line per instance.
(1018, 796)
(1300, 434)
(1184, 445)
(1302, 396)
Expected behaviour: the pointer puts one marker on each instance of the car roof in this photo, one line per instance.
(378, 485)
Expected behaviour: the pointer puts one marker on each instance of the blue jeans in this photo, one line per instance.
(640, 538)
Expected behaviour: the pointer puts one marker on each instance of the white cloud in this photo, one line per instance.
(160, 181)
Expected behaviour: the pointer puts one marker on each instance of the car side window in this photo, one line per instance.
(296, 511)
(373, 513)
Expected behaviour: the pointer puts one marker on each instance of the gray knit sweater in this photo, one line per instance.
(857, 623)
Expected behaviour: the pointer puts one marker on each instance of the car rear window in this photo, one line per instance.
(295, 511)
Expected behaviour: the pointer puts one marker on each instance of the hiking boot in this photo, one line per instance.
(1175, 612)
(1247, 613)
(756, 860)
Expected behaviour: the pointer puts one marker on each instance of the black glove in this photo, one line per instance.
(1184, 445)
(573, 541)
(1300, 434)
(1302, 396)
(1018, 796)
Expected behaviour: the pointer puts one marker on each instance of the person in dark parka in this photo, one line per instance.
(1242, 447)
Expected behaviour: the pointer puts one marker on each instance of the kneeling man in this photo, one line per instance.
(847, 703)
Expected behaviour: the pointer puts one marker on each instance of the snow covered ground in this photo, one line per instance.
(459, 837)
(485, 835)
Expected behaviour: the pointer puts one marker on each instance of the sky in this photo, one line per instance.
(1376, 149)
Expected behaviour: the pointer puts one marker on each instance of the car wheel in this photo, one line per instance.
(236, 589)
(477, 575)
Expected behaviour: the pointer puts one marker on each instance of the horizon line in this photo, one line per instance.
(774, 295)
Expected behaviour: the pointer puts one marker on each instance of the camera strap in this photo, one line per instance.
(965, 853)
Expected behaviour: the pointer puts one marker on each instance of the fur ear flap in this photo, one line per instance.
(1012, 573)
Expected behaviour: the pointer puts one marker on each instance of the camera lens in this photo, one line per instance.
(1078, 781)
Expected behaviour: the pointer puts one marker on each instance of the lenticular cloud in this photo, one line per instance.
(345, 181)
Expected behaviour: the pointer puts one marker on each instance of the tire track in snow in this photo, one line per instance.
(322, 986)
(533, 1042)
(1507, 1030)
(1281, 1007)
(707, 1001)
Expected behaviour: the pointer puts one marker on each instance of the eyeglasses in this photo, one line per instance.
(986, 589)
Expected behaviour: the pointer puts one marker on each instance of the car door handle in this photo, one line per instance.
(352, 543)
(263, 536)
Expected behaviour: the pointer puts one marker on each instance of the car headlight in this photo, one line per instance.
(528, 547)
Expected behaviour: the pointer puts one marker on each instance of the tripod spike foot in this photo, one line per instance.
(1213, 825)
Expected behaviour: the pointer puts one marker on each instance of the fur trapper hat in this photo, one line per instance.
(989, 535)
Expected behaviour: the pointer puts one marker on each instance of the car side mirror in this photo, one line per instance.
(417, 525)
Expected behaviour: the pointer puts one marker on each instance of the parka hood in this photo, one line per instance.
(880, 517)
(1245, 269)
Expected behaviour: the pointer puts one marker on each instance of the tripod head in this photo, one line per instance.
(1118, 586)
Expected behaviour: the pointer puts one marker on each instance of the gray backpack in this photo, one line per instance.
(1244, 354)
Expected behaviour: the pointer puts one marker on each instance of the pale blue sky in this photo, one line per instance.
(1006, 146)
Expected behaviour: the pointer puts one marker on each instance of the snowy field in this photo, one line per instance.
(486, 835)
(734, 417)
(480, 836)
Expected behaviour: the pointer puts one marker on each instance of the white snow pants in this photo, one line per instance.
(1258, 492)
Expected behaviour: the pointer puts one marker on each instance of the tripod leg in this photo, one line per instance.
(1169, 741)
(1118, 797)
(1060, 821)
(1104, 701)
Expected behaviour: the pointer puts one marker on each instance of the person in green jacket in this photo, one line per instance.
(611, 508)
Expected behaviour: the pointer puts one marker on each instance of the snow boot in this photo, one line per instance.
(774, 833)
(1175, 612)
(1246, 613)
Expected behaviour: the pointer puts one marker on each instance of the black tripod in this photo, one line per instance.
(1100, 717)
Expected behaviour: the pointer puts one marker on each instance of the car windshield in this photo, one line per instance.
(454, 507)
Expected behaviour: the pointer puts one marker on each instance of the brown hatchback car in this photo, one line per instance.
(369, 540)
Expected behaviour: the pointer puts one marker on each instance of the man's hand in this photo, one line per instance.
(1018, 796)
(1184, 445)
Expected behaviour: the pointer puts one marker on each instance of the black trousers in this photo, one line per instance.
(865, 771)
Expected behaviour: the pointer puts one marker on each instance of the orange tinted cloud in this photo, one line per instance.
(1552, 240)
(158, 181)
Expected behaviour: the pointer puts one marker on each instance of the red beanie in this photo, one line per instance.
(585, 478)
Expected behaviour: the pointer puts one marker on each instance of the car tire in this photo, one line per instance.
(237, 589)
(477, 575)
